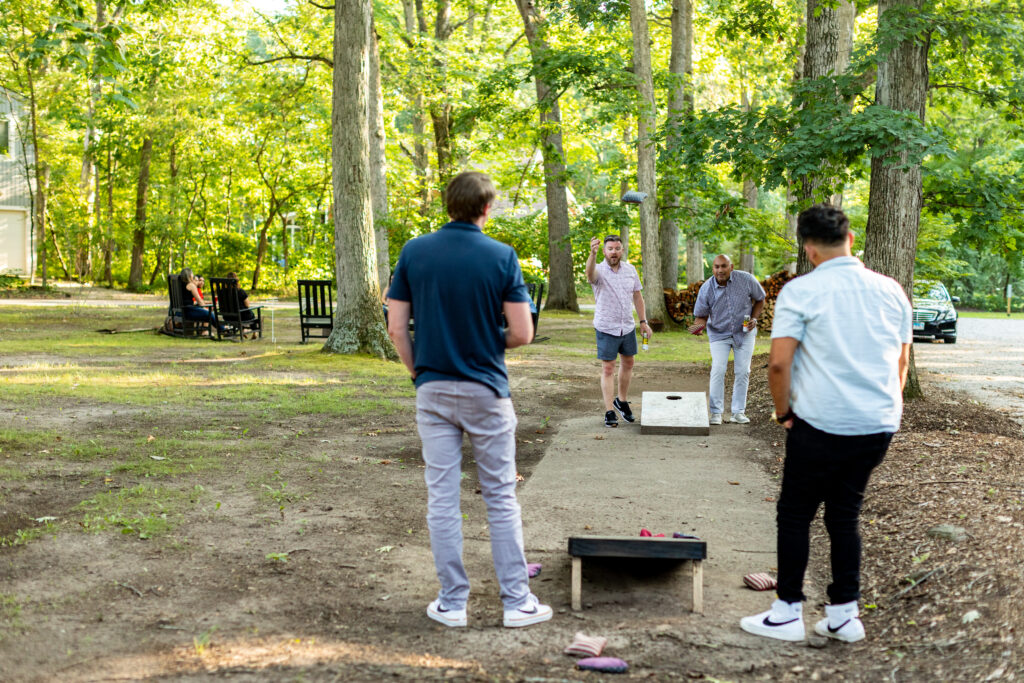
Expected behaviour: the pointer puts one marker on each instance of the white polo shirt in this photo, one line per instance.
(851, 323)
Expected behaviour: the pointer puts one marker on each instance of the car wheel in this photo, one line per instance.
(950, 339)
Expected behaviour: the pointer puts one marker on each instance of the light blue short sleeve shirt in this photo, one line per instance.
(851, 323)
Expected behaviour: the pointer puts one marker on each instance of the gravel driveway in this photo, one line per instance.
(987, 362)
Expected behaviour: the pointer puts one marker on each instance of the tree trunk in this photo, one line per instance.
(108, 229)
(650, 245)
(261, 248)
(746, 252)
(746, 259)
(826, 53)
(694, 260)
(378, 165)
(286, 244)
(42, 187)
(680, 106)
(441, 118)
(359, 319)
(894, 207)
(159, 261)
(791, 198)
(623, 189)
(561, 284)
(57, 252)
(141, 196)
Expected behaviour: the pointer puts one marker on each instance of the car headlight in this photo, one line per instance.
(946, 315)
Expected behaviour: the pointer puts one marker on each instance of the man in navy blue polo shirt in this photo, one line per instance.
(458, 283)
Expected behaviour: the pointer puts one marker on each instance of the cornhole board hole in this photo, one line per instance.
(640, 548)
(679, 412)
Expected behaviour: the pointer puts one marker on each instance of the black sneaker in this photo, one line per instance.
(610, 420)
(624, 411)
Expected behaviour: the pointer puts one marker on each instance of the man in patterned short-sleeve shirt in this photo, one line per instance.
(728, 306)
(616, 292)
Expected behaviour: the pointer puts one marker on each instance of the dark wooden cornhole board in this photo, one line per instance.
(638, 547)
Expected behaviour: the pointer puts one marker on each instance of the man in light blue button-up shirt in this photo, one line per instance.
(840, 351)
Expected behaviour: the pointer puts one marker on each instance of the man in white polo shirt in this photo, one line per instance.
(617, 291)
(840, 351)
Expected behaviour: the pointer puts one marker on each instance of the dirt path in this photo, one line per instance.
(298, 549)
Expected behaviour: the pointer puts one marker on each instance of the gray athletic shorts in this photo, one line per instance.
(609, 346)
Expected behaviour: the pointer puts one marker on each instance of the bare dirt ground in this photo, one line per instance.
(301, 552)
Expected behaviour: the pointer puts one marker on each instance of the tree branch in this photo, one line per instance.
(306, 58)
(974, 91)
(401, 146)
(512, 45)
(317, 4)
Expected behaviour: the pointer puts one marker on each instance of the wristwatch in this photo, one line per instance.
(783, 419)
(643, 322)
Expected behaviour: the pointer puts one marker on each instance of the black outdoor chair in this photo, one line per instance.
(316, 308)
(230, 312)
(179, 325)
(536, 292)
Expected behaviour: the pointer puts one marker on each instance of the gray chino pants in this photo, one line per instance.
(444, 411)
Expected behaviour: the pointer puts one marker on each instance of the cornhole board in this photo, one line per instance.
(674, 412)
(638, 547)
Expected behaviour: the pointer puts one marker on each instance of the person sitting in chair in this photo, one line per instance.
(243, 303)
(194, 307)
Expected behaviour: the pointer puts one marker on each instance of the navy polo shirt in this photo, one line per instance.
(456, 280)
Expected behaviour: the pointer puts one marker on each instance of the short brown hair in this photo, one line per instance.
(468, 194)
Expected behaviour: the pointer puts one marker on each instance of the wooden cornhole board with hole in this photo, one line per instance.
(674, 412)
(641, 548)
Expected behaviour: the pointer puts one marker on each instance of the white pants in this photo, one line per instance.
(741, 356)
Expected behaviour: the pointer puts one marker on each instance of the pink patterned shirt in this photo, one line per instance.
(613, 297)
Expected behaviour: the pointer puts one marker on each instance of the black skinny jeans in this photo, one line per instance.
(834, 470)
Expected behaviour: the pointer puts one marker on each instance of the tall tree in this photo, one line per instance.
(680, 105)
(141, 199)
(826, 54)
(650, 244)
(894, 208)
(359, 320)
(378, 164)
(561, 285)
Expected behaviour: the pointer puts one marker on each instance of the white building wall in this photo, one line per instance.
(14, 240)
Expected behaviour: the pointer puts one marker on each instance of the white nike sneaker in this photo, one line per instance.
(739, 418)
(841, 623)
(715, 419)
(448, 617)
(784, 621)
(530, 613)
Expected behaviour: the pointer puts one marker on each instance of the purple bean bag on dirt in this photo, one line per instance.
(608, 665)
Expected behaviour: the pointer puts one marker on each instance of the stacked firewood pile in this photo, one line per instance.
(680, 303)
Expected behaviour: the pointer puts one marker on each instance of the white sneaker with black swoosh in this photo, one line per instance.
(784, 621)
(530, 613)
(841, 623)
(448, 617)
